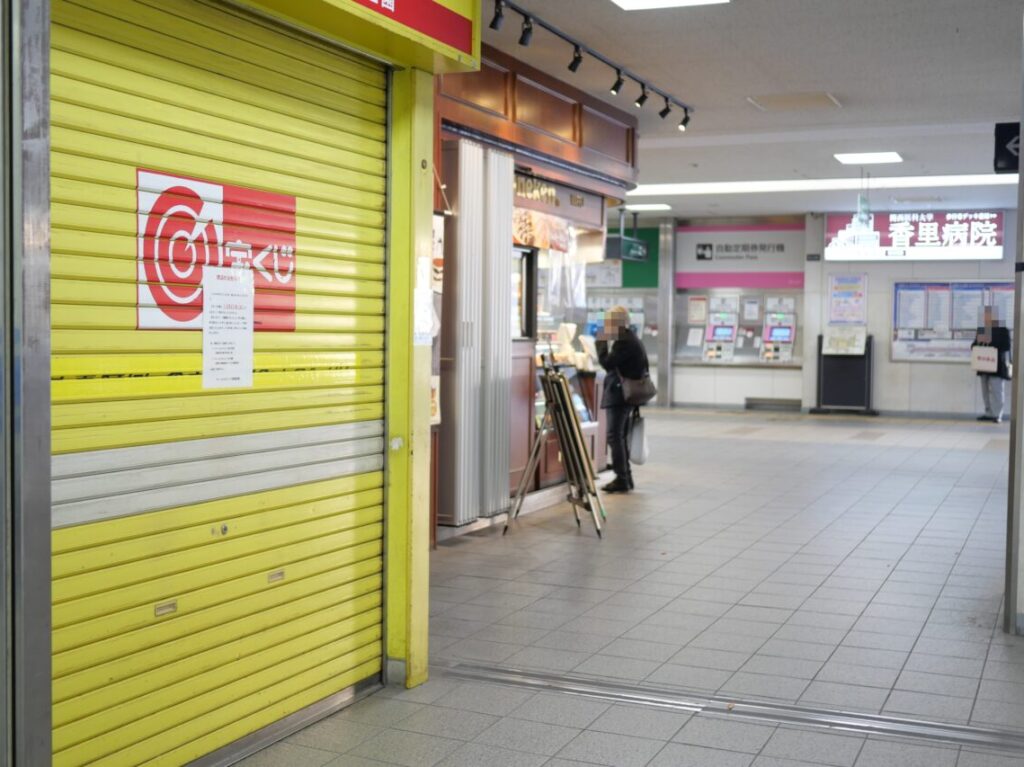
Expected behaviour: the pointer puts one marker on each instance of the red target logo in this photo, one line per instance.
(186, 224)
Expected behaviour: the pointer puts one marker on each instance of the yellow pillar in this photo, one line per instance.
(408, 374)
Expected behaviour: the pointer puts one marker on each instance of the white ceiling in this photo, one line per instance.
(926, 78)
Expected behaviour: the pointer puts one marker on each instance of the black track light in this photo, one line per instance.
(499, 15)
(619, 82)
(577, 59)
(527, 34)
(665, 112)
(642, 98)
(686, 120)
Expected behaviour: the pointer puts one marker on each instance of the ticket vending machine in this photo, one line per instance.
(778, 338)
(720, 338)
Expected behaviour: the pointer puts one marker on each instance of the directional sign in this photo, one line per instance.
(1007, 147)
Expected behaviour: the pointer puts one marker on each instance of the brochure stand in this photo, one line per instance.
(844, 382)
(561, 417)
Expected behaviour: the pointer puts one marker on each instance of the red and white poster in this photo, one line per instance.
(969, 235)
(186, 224)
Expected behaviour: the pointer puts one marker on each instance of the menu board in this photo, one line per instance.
(937, 321)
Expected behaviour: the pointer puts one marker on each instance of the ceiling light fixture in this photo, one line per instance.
(527, 34)
(648, 207)
(685, 123)
(648, 5)
(499, 15)
(868, 158)
(822, 185)
(577, 59)
(619, 82)
(580, 50)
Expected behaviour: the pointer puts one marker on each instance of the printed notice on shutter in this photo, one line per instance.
(227, 327)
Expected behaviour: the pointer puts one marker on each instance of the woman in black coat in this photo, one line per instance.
(993, 385)
(622, 354)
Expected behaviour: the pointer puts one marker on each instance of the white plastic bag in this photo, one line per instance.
(639, 452)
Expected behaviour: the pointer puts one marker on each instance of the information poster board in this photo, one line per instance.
(848, 299)
(938, 321)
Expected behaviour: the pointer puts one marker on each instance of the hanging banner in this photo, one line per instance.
(848, 299)
(928, 236)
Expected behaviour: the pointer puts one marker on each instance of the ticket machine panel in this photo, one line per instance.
(778, 338)
(720, 338)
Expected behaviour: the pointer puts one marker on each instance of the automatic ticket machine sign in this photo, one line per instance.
(187, 224)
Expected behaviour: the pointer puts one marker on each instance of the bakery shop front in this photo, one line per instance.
(529, 167)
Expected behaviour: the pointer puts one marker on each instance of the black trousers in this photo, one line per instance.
(619, 423)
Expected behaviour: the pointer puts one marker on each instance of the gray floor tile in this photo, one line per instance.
(478, 754)
(617, 668)
(983, 759)
(743, 683)
(532, 737)
(865, 676)
(729, 735)
(941, 707)
(380, 711)
(564, 710)
(447, 723)
(845, 697)
(334, 734)
(998, 713)
(546, 658)
(572, 641)
(634, 648)
(819, 747)
(640, 721)
(705, 658)
(877, 753)
(611, 749)
(485, 699)
(679, 755)
(940, 684)
(689, 677)
(481, 650)
(409, 749)
(766, 664)
(289, 754)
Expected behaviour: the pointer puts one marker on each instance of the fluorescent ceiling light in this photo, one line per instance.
(868, 158)
(647, 5)
(823, 185)
(648, 206)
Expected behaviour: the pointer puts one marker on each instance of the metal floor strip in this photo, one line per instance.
(755, 710)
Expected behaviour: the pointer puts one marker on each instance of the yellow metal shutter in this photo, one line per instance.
(217, 555)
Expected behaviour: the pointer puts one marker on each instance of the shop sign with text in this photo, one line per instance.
(975, 235)
(187, 224)
(543, 196)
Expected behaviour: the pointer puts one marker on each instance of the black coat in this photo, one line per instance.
(626, 357)
(1001, 342)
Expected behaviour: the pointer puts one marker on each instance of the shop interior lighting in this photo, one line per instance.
(499, 15)
(619, 82)
(868, 158)
(577, 59)
(648, 5)
(823, 185)
(581, 50)
(527, 33)
(685, 122)
(648, 207)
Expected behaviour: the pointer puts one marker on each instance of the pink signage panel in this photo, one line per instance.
(753, 280)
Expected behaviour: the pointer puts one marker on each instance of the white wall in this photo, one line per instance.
(899, 387)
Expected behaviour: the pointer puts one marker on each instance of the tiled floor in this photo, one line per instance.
(834, 563)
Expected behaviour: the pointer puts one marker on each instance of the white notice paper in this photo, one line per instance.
(227, 327)
(695, 336)
(697, 310)
(751, 309)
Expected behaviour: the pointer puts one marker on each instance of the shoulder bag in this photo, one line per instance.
(638, 391)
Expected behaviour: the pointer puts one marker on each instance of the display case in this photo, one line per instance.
(739, 327)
